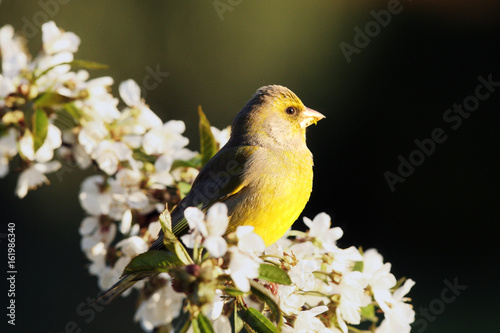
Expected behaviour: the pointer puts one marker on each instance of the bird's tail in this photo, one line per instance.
(118, 288)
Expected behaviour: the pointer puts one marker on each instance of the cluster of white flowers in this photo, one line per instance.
(47, 107)
(330, 288)
(344, 280)
(18, 72)
(34, 92)
(49, 112)
(240, 260)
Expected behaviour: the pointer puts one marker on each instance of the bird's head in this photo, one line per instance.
(274, 117)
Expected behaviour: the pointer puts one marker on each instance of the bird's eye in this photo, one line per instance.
(290, 111)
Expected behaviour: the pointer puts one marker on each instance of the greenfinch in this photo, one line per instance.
(264, 173)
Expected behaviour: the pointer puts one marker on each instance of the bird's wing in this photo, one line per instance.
(221, 178)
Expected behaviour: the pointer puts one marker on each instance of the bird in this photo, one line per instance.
(264, 173)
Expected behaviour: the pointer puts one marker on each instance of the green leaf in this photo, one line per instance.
(86, 64)
(171, 241)
(368, 312)
(152, 261)
(68, 117)
(194, 326)
(64, 120)
(358, 266)
(182, 322)
(208, 145)
(194, 162)
(203, 324)
(166, 221)
(273, 273)
(184, 188)
(266, 296)
(51, 99)
(73, 111)
(75, 63)
(140, 155)
(236, 321)
(234, 292)
(40, 128)
(257, 322)
(3, 129)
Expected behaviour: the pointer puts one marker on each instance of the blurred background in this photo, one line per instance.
(379, 93)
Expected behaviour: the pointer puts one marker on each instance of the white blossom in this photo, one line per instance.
(351, 289)
(52, 141)
(166, 139)
(55, 40)
(14, 59)
(91, 134)
(319, 228)
(160, 308)
(379, 278)
(144, 118)
(162, 173)
(8, 149)
(126, 222)
(34, 176)
(344, 259)
(95, 237)
(307, 322)
(154, 228)
(304, 250)
(75, 151)
(245, 261)
(129, 248)
(207, 232)
(71, 84)
(7, 87)
(221, 136)
(55, 68)
(401, 314)
(184, 174)
(302, 274)
(100, 105)
(215, 309)
(290, 302)
(243, 267)
(81, 157)
(222, 324)
(132, 246)
(108, 276)
(94, 243)
(108, 155)
(249, 242)
(94, 196)
(127, 194)
(26, 146)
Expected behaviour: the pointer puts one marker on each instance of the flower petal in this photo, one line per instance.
(216, 246)
(130, 92)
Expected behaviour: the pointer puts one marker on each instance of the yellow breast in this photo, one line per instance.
(279, 186)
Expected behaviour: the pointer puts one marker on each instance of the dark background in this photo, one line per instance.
(440, 224)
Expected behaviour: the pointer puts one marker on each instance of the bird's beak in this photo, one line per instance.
(309, 116)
